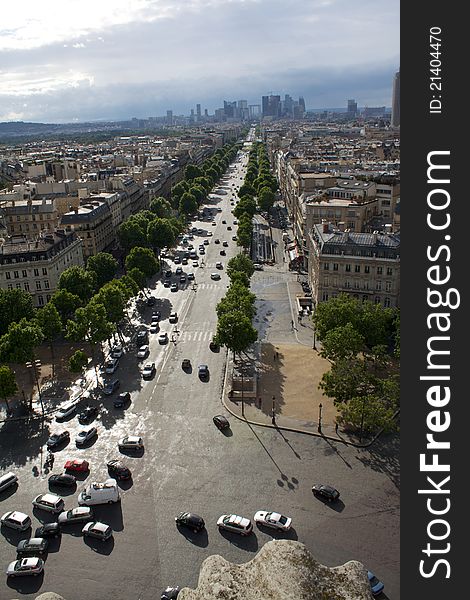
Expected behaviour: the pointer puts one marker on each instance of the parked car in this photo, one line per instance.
(7, 480)
(170, 593)
(111, 386)
(179, 270)
(148, 371)
(111, 366)
(190, 520)
(327, 492)
(376, 586)
(168, 273)
(257, 267)
(62, 479)
(49, 502)
(142, 337)
(143, 351)
(215, 276)
(221, 422)
(186, 364)
(156, 315)
(97, 530)
(66, 410)
(48, 530)
(117, 351)
(118, 470)
(32, 547)
(203, 372)
(219, 265)
(131, 442)
(163, 338)
(273, 519)
(154, 327)
(191, 275)
(225, 244)
(166, 283)
(206, 242)
(16, 520)
(235, 524)
(75, 515)
(174, 287)
(122, 400)
(88, 414)
(85, 436)
(222, 252)
(25, 566)
(56, 439)
(77, 466)
(173, 317)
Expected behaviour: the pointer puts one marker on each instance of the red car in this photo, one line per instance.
(80, 466)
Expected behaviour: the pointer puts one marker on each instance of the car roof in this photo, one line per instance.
(98, 526)
(48, 498)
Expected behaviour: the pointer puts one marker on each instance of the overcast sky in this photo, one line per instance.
(66, 60)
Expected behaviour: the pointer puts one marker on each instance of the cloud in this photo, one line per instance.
(140, 58)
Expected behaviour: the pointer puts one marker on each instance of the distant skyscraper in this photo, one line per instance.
(302, 105)
(169, 117)
(352, 108)
(395, 122)
(271, 106)
(198, 111)
(206, 114)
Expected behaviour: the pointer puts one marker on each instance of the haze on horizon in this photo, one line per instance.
(78, 60)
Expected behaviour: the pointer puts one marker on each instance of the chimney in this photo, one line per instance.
(375, 236)
(325, 225)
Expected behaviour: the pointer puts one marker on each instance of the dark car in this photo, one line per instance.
(168, 273)
(222, 252)
(190, 520)
(376, 586)
(48, 530)
(142, 337)
(213, 346)
(166, 283)
(221, 422)
(88, 414)
(203, 372)
(327, 492)
(151, 300)
(118, 470)
(186, 364)
(170, 593)
(33, 547)
(229, 228)
(57, 439)
(62, 479)
(110, 387)
(122, 400)
(156, 316)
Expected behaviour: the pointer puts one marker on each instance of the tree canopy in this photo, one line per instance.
(104, 266)
(78, 281)
(14, 306)
(142, 259)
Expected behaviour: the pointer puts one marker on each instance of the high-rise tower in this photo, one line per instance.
(395, 121)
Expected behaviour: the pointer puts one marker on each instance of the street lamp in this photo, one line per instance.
(273, 417)
(34, 376)
(320, 406)
(314, 326)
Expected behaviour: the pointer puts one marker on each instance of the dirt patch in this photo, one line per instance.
(291, 373)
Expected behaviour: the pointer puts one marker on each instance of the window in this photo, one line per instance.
(378, 285)
(377, 300)
(48, 297)
(16, 274)
(18, 286)
(8, 275)
(44, 271)
(46, 284)
(36, 272)
(389, 271)
(348, 268)
(25, 273)
(347, 284)
(379, 270)
(26, 286)
(388, 286)
(10, 286)
(387, 302)
(41, 300)
(335, 266)
(325, 296)
(38, 285)
(367, 269)
(357, 268)
(326, 266)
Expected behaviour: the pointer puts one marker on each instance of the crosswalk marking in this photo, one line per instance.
(196, 336)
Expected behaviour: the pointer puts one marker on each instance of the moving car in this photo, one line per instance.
(117, 351)
(376, 586)
(62, 479)
(156, 315)
(170, 593)
(65, 411)
(78, 466)
(173, 317)
(16, 520)
(186, 364)
(206, 242)
(131, 442)
(118, 470)
(190, 520)
(49, 502)
(25, 566)
(143, 352)
(106, 492)
(273, 519)
(216, 241)
(213, 346)
(48, 530)
(110, 386)
(191, 275)
(223, 253)
(215, 276)
(183, 279)
(174, 287)
(56, 439)
(154, 327)
(235, 523)
(97, 530)
(221, 422)
(122, 400)
(219, 265)
(163, 338)
(85, 436)
(179, 270)
(87, 414)
(203, 372)
(33, 546)
(111, 366)
(326, 492)
(75, 515)
(7, 480)
(148, 371)
(225, 244)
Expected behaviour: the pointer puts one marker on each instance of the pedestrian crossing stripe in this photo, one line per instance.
(195, 336)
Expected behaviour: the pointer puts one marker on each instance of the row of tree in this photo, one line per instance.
(361, 340)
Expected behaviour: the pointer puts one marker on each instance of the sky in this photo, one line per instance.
(78, 60)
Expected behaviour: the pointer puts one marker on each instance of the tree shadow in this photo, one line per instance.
(22, 440)
(383, 456)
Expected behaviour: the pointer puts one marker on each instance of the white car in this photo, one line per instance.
(143, 352)
(65, 411)
(173, 317)
(25, 566)
(84, 436)
(131, 442)
(117, 351)
(49, 502)
(273, 519)
(97, 530)
(235, 523)
(75, 515)
(16, 520)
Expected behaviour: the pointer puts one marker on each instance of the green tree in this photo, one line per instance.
(161, 233)
(104, 266)
(341, 343)
(177, 192)
(78, 361)
(20, 341)
(142, 259)
(235, 331)
(247, 205)
(50, 322)
(14, 306)
(246, 190)
(191, 172)
(161, 207)
(368, 414)
(131, 233)
(199, 193)
(188, 204)
(245, 230)
(138, 278)
(212, 174)
(8, 386)
(347, 379)
(78, 281)
(240, 262)
(265, 199)
(66, 304)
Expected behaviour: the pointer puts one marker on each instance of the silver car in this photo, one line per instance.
(235, 523)
(75, 515)
(16, 520)
(25, 566)
(84, 436)
(97, 530)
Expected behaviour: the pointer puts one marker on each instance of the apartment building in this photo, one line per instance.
(93, 223)
(35, 266)
(364, 265)
(29, 217)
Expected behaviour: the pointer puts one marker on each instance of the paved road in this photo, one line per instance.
(189, 465)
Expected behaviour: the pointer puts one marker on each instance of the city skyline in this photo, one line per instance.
(69, 61)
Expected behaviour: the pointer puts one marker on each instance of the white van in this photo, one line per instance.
(99, 493)
(7, 480)
(65, 411)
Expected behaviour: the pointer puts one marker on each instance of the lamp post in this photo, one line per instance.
(273, 417)
(33, 367)
(320, 406)
(314, 327)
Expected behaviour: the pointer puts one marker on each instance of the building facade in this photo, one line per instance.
(93, 223)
